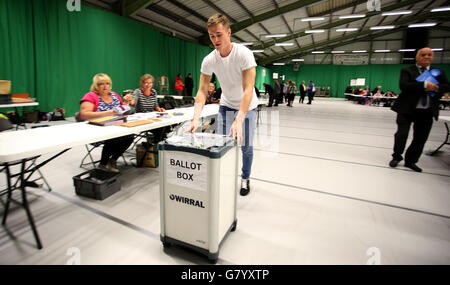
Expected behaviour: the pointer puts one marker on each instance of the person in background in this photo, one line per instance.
(376, 89)
(349, 89)
(189, 85)
(144, 99)
(311, 91)
(415, 105)
(302, 92)
(179, 86)
(210, 98)
(277, 90)
(270, 91)
(100, 102)
(291, 91)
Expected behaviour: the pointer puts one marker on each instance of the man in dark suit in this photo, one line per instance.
(415, 105)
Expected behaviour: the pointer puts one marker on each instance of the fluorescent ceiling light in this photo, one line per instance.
(298, 59)
(382, 27)
(278, 63)
(352, 16)
(258, 50)
(246, 44)
(347, 30)
(318, 51)
(440, 9)
(284, 44)
(382, 50)
(313, 19)
(314, 31)
(408, 58)
(359, 51)
(275, 36)
(406, 49)
(337, 51)
(421, 25)
(396, 13)
(437, 49)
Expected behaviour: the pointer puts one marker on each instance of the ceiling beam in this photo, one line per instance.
(335, 24)
(236, 27)
(132, 7)
(189, 10)
(351, 36)
(176, 18)
(342, 7)
(215, 7)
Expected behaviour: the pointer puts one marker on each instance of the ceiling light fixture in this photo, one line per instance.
(337, 51)
(284, 44)
(382, 50)
(352, 16)
(359, 51)
(396, 13)
(275, 36)
(347, 30)
(278, 63)
(258, 50)
(313, 19)
(298, 59)
(420, 25)
(406, 49)
(440, 9)
(314, 31)
(382, 27)
(318, 51)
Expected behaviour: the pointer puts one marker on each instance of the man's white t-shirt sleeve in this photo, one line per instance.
(207, 66)
(247, 60)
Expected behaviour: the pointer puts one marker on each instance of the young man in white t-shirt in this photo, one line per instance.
(235, 67)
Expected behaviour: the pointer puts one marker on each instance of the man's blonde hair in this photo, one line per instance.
(99, 78)
(216, 19)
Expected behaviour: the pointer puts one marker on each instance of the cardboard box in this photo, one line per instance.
(5, 87)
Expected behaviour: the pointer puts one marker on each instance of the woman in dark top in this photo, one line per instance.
(302, 92)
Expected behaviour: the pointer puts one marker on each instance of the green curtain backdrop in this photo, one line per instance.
(53, 53)
(338, 76)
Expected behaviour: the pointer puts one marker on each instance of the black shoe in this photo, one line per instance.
(413, 166)
(245, 187)
(394, 163)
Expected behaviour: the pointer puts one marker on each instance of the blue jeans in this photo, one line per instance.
(225, 119)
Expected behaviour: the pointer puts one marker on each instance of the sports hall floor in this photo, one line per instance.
(321, 193)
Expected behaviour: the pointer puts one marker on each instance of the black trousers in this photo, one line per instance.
(271, 98)
(114, 148)
(422, 120)
(310, 97)
(302, 97)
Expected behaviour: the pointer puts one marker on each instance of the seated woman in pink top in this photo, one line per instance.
(99, 102)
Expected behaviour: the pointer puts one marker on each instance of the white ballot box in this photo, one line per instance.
(198, 191)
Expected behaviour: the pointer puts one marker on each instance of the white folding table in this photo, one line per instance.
(22, 146)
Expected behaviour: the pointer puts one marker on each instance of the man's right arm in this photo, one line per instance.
(200, 100)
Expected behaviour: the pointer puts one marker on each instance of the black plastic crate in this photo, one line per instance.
(96, 183)
(5, 99)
